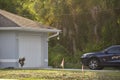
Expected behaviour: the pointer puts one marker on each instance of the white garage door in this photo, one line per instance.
(30, 48)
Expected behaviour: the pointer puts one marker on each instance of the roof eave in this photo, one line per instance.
(30, 29)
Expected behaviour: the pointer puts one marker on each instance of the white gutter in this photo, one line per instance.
(30, 29)
(54, 30)
(54, 35)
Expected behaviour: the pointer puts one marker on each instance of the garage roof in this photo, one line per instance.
(10, 21)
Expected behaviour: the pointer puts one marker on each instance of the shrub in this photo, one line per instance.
(56, 54)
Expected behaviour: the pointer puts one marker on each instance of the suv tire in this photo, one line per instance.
(94, 64)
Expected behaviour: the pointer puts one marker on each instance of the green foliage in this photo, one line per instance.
(56, 54)
(8, 5)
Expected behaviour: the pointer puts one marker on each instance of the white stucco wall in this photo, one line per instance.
(44, 44)
(8, 49)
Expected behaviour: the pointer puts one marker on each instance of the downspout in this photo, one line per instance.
(54, 35)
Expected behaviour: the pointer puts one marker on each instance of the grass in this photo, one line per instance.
(59, 75)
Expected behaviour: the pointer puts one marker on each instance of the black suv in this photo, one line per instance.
(109, 57)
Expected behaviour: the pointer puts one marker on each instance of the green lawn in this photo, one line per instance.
(58, 75)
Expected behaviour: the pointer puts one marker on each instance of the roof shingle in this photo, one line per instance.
(8, 19)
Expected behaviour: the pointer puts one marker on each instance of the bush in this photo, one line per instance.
(56, 54)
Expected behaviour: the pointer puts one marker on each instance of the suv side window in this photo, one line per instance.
(114, 50)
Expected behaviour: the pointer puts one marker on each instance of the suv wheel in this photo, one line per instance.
(94, 64)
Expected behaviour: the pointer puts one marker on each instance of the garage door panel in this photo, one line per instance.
(30, 48)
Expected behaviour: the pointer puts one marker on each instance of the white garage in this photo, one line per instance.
(21, 37)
